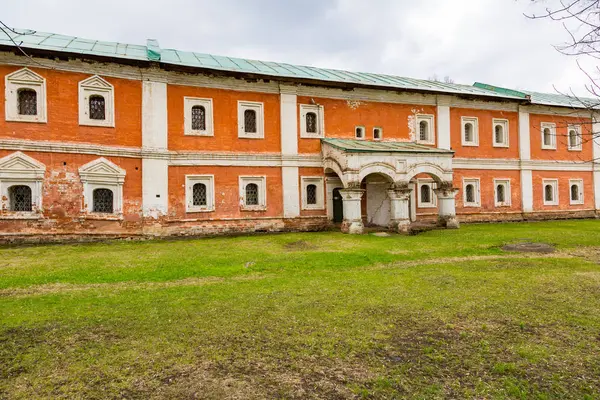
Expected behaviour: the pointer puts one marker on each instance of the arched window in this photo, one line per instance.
(575, 192)
(359, 132)
(573, 140)
(423, 131)
(19, 197)
(470, 193)
(27, 101)
(499, 134)
(252, 194)
(425, 194)
(311, 194)
(199, 194)
(376, 133)
(97, 107)
(548, 193)
(250, 121)
(102, 201)
(468, 132)
(547, 137)
(311, 122)
(198, 118)
(500, 195)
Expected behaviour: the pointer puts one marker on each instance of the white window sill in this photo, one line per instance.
(309, 136)
(470, 144)
(424, 142)
(103, 217)
(21, 215)
(97, 124)
(502, 146)
(503, 205)
(472, 205)
(550, 204)
(199, 210)
(576, 203)
(426, 206)
(251, 137)
(573, 149)
(309, 208)
(34, 120)
(254, 208)
(199, 133)
(548, 148)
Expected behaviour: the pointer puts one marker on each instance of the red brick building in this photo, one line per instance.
(108, 139)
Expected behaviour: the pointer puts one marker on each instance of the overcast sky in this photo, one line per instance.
(469, 40)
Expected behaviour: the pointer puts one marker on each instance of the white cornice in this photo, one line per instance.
(561, 111)
(485, 163)
(515, 164)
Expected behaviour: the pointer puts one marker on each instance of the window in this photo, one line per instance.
(377, 133)
(25, 95)
(500, 129)
(199, 193)
(102, 187)
(425, 129)
(253, 195)
(27, 102)
(471, 193)
(311, 121)
(576, 191)
(502, 192)
(574, 137)
(470, 131)
(548, 136)
(426, 196)
(19, 198)
(103, 201)
(21, 179)
(312, 193)
(550, 192)
(359, 132)
(96, 102)
(97, 107)
(250, 120)
(198, 117)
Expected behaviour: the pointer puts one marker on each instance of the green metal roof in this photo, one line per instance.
(363, 146)
(151, 52)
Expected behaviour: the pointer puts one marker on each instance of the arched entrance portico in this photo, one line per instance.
(382, 171)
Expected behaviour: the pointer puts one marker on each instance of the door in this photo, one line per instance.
(338, 206)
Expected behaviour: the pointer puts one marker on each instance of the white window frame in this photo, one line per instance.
(504, 123)
(579, 183)
(475, 122)
(20, 169)
(507, 192)
(91, 86)
(24, 79)
(102, 174)
(577, 129)
(554, 184)
(432, 186)
(318, 181)
(188, 103)
(258, 107)
(261, 182)
(306, 108)
(430, 134)
(475, 183)
(380, 133)
(552, 127)
(209, 182)
(364, 132)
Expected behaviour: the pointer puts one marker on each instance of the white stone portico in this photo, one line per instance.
(388, 167)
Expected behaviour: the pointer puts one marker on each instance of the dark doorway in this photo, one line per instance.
(338, 206)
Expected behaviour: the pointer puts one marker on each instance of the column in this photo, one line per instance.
(446, 205)
(289, 147)
(399, 210)
(443, 122)
(596, 163)
(352, 223)
(525, 156)
(155, 163)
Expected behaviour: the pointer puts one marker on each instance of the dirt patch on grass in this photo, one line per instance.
(529, 247)
(300, 245)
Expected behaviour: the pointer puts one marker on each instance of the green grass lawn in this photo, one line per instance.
(445, 314)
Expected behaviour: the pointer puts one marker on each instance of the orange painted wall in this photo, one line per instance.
(225, 112)
(62, 98)
(342, 116)
(226, 181)
(561, 152)
(486, 187)
(563, 190)
(485, 148)
(305, 171)
(62, 190)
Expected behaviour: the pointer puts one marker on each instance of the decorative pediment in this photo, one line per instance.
(19, 165)
(24, 75)
(96, 82)
(102, 170)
